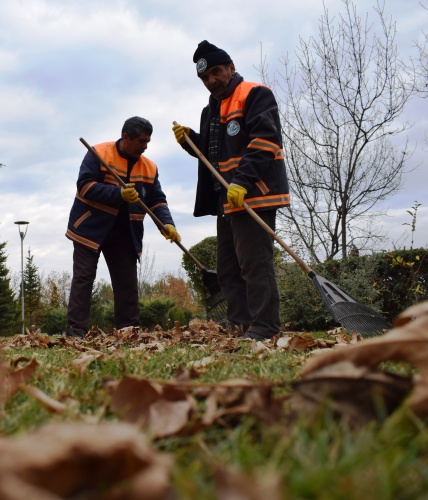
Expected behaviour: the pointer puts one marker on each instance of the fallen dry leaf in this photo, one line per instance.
(201, 363)
(407, 343)
(83, 461)
(49, 403)
(161, 410)
(258, 347)
(168, 418)
(85, 359)
(11, 380)
(182, 374)
(350, 394)
(301, 342)
(168, 408)
(132, 397)
(236, 397)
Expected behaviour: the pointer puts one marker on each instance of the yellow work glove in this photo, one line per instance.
(171, 233)
(129, 194)
(179, 132)
(235, 195)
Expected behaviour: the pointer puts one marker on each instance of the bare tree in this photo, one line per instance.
(338, 104)
(15, 283)
(145, 272)
(420, 65)
(56, 286)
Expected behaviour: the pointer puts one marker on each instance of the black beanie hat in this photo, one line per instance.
(207, 55)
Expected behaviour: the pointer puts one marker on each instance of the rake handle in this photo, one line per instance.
(142, 205)
(253, 214)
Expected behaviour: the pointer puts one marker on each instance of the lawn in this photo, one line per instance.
(196, 413)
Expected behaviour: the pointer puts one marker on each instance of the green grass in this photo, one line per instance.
(318, 458)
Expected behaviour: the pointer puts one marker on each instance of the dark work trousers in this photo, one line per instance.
(121, 259)
(245, 272)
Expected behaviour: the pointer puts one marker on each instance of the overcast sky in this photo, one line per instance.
(72, 69)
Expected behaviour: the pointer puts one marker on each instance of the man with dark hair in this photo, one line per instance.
(240, 134)
(107, 218)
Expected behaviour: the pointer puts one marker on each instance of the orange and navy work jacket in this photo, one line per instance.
(249, 150)
(98, 204)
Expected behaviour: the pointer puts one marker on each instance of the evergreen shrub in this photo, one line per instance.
(388, 282)
(54, 321)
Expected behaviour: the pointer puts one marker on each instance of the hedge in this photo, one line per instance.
(389, 282)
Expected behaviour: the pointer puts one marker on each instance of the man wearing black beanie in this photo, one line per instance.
(240, 134)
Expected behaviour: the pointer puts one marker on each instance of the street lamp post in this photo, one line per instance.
(22, 234)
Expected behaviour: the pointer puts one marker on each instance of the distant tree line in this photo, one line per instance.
(163, 301)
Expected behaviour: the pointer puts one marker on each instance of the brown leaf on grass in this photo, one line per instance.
(236, 397)
(231, 485)
(292, 342)
(168, 418)
(182, 374)
(10, 379)
(258, 348)
(108, 461)
(202, 363)
(300, 342)
(407, 343)
(49, 403)
(198, 325)
(161, 410)
(132, 397)
(351, 394)
(85, 359)
(168, 408)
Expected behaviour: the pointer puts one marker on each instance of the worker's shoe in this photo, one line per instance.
(255, 336)
(74, 332)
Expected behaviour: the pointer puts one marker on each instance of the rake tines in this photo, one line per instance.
(216, 308)
(215, 303)
(360, 318)
(347, 311)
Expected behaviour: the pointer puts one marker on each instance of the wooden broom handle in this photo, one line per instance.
(142, 205)
(253, 214)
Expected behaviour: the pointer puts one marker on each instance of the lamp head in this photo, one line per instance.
(23, 223)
